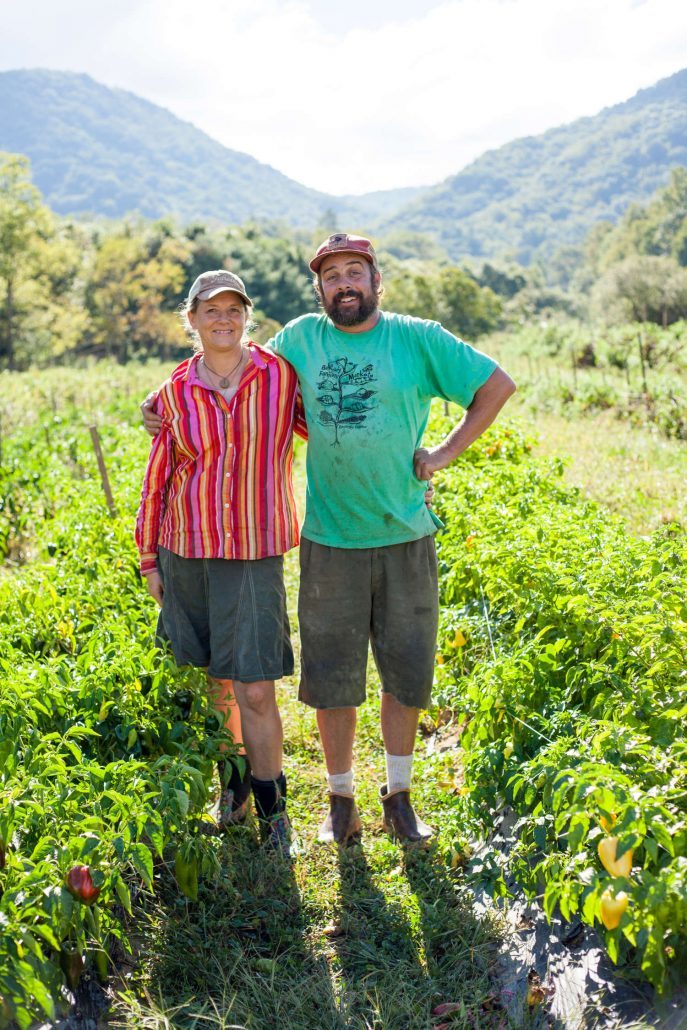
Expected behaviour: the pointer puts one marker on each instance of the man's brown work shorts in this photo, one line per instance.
(387, 595)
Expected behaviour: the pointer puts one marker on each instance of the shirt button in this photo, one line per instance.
(228, 475)
(227, 505)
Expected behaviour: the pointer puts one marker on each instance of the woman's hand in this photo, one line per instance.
(155, 588)
(152, 422)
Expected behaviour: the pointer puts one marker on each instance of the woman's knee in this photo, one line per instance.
(258, 698)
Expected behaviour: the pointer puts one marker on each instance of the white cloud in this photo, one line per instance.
(345, 102)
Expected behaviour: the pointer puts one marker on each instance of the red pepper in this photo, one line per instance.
(80, 883)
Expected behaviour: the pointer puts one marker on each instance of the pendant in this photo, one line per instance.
(224, 383)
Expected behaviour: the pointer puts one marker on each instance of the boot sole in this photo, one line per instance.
(411, 841)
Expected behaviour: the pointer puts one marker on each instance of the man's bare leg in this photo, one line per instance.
(399, 726)
(399, 729)
(337, 733)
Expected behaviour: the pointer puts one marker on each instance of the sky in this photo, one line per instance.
(357, 95)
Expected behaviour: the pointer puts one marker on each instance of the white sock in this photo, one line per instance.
(341, 783)
(398, 771)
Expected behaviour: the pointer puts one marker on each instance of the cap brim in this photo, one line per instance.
(317, 261)
(216, 290)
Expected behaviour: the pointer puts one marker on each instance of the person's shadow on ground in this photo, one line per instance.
(239, 955)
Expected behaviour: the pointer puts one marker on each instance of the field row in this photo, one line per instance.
(563, 647)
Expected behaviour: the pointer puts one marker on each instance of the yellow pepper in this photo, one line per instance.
(612, 908)
(608, 822)
(607, 849)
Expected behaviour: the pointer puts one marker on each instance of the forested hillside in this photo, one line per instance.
(101, 151)
(531, 196)
(97, 150)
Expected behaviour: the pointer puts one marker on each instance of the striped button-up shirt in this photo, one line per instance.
(218, 481)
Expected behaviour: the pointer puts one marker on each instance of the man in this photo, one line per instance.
(368, 566)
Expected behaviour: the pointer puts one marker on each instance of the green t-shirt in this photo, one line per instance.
(367, 398)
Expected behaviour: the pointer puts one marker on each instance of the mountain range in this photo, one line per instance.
(99, 151)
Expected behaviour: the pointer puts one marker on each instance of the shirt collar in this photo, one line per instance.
(259, 355)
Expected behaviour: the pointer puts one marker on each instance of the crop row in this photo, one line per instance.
(106, 749)
(561, 643)
(563, 648)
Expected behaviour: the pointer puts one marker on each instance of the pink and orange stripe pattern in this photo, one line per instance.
(218, 482)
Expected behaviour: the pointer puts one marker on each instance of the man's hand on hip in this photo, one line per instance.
(427, 461)
(152, 422)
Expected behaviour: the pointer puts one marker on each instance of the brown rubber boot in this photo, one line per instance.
(400, 819)
(342, 825)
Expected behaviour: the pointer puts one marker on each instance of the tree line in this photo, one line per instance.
(71, 289)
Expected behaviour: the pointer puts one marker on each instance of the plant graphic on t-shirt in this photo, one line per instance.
(343, 408)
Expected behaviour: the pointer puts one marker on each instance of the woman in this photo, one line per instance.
(217, 514)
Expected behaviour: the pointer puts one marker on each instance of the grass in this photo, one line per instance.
(635, 472)
(371, 937)
(628, 465)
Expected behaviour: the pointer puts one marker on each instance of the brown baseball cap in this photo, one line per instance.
(209, 284)
(344, 243)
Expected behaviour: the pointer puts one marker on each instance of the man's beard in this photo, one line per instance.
(367, 305)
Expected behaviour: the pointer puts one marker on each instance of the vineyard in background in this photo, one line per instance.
(562, 643)
(636, 371)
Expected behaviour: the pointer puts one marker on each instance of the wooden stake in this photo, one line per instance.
(103, 471)
(640, 341)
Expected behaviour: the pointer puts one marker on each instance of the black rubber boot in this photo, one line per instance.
(235, 787)
(270, 805)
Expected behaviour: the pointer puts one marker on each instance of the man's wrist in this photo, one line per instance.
(443, 455)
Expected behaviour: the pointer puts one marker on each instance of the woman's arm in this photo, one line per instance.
(152, 507)
(300, 426)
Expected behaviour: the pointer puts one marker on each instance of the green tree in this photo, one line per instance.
(464, 307)
(503, 283)
(134, 290)
(23, 218)
(643, 288)
(657, 229)
(275, 270)
(409, 294)
(39, 265)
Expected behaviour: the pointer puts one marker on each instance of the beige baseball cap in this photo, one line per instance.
(209, 284)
